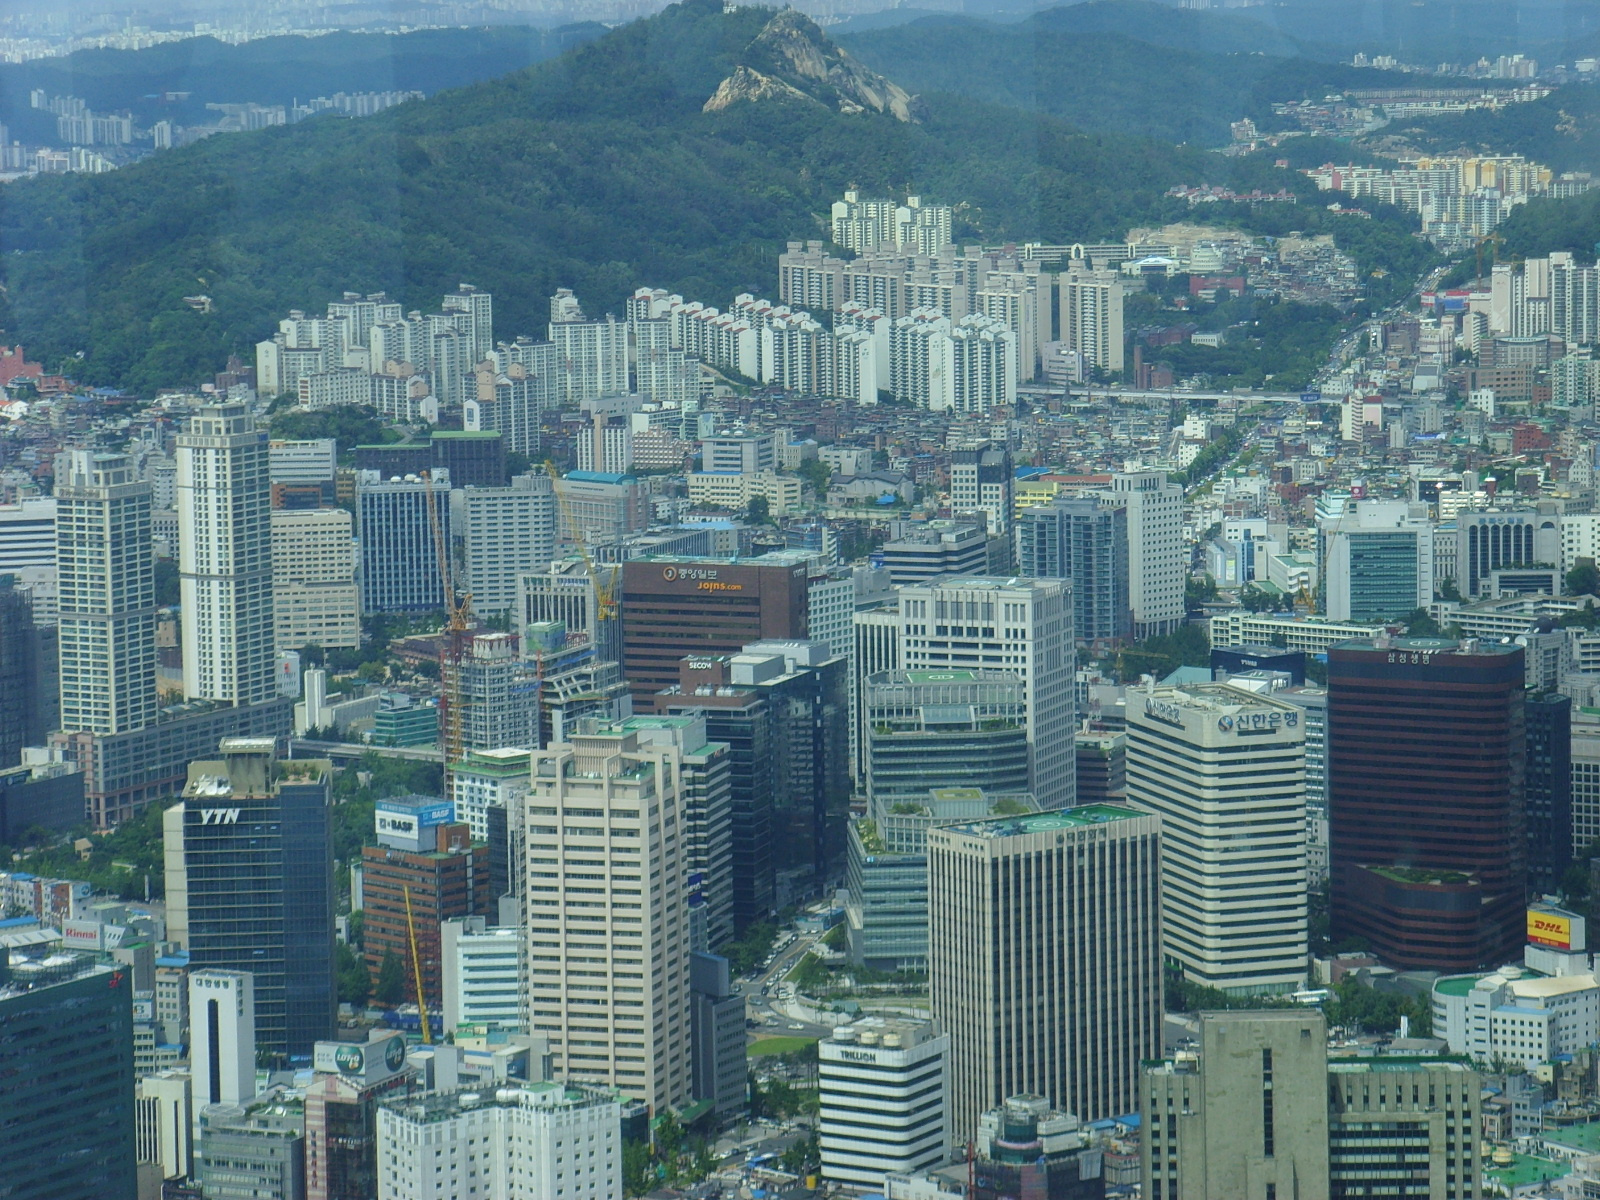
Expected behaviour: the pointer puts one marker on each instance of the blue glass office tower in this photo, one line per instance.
(254, 891)
(66, 1079)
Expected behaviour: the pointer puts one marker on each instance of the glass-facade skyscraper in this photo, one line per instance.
(66, 1059)
(250, 885)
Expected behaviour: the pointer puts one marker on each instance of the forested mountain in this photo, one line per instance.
(1562, 130)
(1096, 75)
(600, 170)
(275, 70)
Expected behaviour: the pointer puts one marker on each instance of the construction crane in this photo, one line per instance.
(458, 627)
(416, 971)
(605, 600)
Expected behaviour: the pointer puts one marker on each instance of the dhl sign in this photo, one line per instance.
(1547, 929)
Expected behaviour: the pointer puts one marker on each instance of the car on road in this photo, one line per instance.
(796, 1025)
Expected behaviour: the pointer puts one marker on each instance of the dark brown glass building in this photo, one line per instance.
(1426, 759)
(675, 607)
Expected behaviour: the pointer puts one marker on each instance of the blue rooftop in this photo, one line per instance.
(597, 477)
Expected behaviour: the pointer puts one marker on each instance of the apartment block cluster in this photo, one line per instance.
(1458, 199)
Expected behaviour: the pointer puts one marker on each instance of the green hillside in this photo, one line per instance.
(1105, 79)
(598, 170)
(1562, 130)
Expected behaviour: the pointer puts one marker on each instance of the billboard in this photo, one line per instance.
(368, 1061)
(1549, 929)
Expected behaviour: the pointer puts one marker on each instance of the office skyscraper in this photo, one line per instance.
(399, 553)
(1156, 565)
(1225, 771)
(1044, 958)
(225, 556)
(66, 1110)
(250, 881)
(981, 481)
(1018, 625)
(107, 594)
(672, 607)
(609, 984)
(1084, 539)
(1379, 556)
(1549, 791)
(503, 533)
(1259, 1110)
(1427, 834)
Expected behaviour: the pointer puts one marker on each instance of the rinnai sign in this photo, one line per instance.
(1547, 929)
(219, 816)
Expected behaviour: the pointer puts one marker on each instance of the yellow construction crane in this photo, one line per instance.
(604, 591)
(416, 972)
(458, 626)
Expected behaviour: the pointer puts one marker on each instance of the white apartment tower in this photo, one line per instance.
(1019, 625)
(1044, 958)
(607, 913)
(1225, 771)
(225, 557)
(1156, 566)
(591, 356)
(1091, 315)
(107, 594)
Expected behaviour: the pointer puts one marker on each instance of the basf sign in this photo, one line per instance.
(1548, 929)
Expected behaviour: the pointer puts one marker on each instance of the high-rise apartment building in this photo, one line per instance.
(1224, 769)
(314, 595)
(225, 557)
(859, 224)
(424, 870)
(1019, 625)
(1091, 315)
(1156, 564)
(66, 1111)
(249, 857)
(1084, 539)
(1044, 958)
(503, 533)
(591, 356)
(1426, 787)
(672, 607)
(883, 1088)
(107, 595)
(605, 828)
(399, 553)
(1378, 557)
(1259, 1110)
